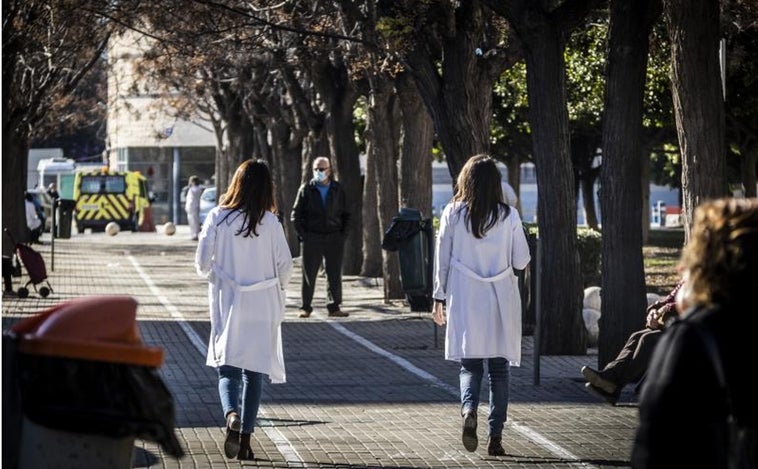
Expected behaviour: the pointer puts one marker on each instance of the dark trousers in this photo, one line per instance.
(35, 234)
(329, 248)
(7, 274)
(631, 363)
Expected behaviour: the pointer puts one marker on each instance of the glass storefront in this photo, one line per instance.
(165, 181)
(195, 161)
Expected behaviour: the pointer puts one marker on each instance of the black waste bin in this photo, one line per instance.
(411, 236)
(86, 388)
(65, 217)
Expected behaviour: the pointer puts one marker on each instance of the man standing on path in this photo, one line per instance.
(192, 206)
(321, 219)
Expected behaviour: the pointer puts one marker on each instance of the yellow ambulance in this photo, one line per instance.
(104, 196)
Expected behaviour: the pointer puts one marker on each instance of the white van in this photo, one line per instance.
(51, 168)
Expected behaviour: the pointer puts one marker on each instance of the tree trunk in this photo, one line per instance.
(223, 170)
(261, 149)
(540, 32)
(15, 166)
(562, 327)
(514, 178)
(588, 200)
(382, 148)
(239, 143)
(645, 187)
(416, 149)
(15, 160)
(242, 140)
(285, 165)
(459, 99)
(372, 234)
(623, 277)
(583, 150)
(346, 164)
(749, 163)
(693, 27)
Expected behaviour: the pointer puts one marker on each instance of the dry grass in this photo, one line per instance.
(661, 256)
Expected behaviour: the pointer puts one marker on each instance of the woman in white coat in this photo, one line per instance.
(480, 243)
(244, 254)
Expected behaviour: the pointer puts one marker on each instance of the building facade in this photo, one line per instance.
(143, 135)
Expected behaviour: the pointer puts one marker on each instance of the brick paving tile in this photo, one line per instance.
(370, 390)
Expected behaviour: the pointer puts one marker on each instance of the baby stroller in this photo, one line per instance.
(35, 267)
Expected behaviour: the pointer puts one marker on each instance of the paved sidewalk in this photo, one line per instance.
(370, 390)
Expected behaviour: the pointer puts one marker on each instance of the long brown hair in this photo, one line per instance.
(479, 188)
(250, 193)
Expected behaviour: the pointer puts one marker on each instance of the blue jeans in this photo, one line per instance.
(230, 378)
(499, 374)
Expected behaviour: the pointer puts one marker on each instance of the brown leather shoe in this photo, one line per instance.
(304, 314)
(596, 379)
(338, 314)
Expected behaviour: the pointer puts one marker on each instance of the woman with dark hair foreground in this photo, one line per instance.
(480, 243)
(244, 254)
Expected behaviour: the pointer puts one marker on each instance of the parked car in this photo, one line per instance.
(207, 202)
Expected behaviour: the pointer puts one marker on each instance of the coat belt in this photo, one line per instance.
(462, 268)
(220, 274)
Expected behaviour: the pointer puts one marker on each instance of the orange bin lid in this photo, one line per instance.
(98, 328)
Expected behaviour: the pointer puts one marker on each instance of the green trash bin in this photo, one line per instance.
(411, 236)
(65, 217)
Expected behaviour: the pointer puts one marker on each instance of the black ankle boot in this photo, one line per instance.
(232, 440)
(245, 452)
(495, 446)
(468, 433)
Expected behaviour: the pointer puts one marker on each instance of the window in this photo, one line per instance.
(90, 185)
(103, 184)
(115, 185)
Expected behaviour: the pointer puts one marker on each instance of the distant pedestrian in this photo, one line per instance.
(52, 191)
(33, 221)
(509, 194)
(192, 206)
(244, 253)
(683, 408)
(322, 220)
(630, 365)
(480, 242)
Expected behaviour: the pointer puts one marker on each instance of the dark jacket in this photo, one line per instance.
(310, 216)
(682, 408)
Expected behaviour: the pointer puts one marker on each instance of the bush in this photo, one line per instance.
(589, 245)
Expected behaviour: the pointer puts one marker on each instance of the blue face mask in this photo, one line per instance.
(319, 176)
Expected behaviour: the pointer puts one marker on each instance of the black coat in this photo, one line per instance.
(309, 215)
(682, 407)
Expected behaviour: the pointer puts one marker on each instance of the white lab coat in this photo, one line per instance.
(247, 277)
(476, 278)
(192, 203)
(192, 206)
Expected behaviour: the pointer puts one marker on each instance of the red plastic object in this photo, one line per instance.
(98, 328)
